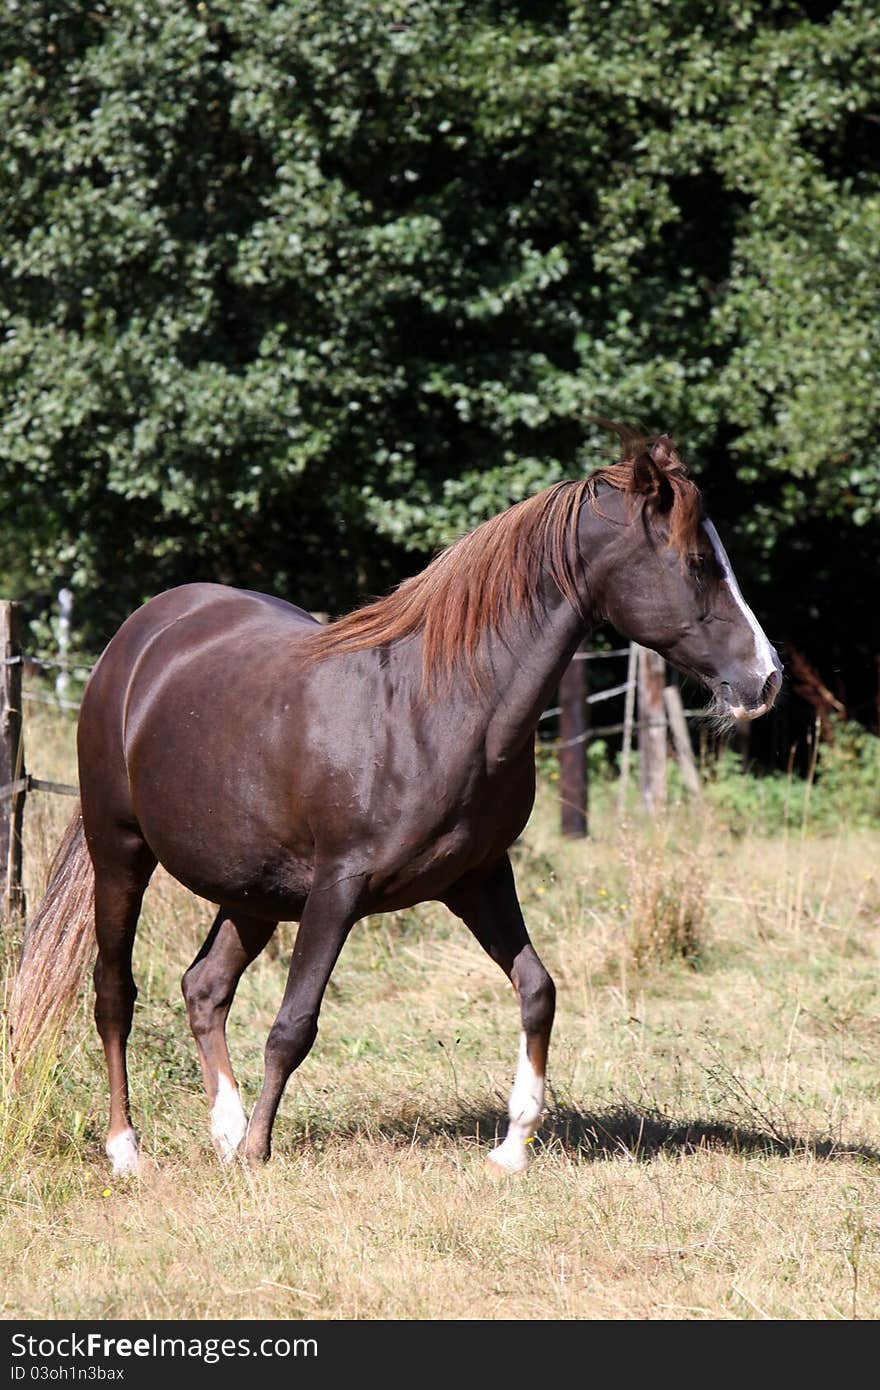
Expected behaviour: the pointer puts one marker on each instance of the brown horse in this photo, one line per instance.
(290, 772)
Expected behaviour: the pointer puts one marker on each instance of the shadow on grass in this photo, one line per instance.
(625, 1131)
(643, 1134)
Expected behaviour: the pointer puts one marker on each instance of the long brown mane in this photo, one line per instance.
(495, 571)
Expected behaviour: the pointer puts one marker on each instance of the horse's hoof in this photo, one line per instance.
(226, 1152)
(124, 1153)
(498, 1171)
(228, 1121)
(254, 1159)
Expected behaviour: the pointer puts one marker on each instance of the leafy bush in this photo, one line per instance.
(845, 789)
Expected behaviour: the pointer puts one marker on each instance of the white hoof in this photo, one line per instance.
(228, 1120)
(123, 1152)
(509, 1158)
(225, 1147)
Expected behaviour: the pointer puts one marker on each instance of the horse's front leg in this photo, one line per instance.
(329, 914)
(489, 906)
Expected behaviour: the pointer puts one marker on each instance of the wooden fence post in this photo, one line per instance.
(628, 713)
(12, 770)
(682, 740)
(652, 731)
(573, 749)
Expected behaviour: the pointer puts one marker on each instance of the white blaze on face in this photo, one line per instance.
(764, 664)
(525, 1110)
(228, 1120)
(123, 1152)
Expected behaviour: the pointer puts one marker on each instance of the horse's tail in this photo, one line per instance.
(57, 951)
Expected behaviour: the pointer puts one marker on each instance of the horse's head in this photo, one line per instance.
(667, 583)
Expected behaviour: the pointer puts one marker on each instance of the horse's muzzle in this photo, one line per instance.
(740, 708)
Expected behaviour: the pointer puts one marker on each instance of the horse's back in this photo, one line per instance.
(189, 618)
(216, 603)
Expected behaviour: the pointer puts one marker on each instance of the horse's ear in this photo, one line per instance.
(651, 466)
(655, 471)
(644, 474)
(663, 453)
(652, 469)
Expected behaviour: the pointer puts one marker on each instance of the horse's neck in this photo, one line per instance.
(522, 666)
(526, 666)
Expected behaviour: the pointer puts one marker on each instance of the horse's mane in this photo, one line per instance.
(481, 580)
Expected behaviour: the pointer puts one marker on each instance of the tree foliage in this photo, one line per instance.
(293, 292)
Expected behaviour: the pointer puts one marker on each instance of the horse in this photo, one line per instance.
(288, 771)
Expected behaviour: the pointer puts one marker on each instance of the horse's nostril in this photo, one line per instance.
(771, 688)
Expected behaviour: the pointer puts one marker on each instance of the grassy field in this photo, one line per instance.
(712, 1147)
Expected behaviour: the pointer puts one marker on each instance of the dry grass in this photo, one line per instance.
(712, 1148)
(667, 898)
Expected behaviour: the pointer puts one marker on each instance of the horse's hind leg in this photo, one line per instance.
(490, 908)
(120, 882)
(209, 988)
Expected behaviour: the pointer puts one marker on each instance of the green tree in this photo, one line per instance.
(293, 292)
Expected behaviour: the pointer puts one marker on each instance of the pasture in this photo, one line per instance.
(712, 1144)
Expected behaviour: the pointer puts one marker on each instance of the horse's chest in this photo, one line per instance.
(452, 833)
